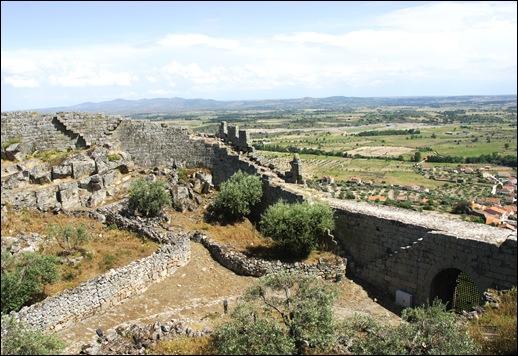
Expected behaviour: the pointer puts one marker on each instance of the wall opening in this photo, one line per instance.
(455, 288)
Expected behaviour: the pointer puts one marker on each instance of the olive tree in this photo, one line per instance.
(238, 195)
(297, 227)
(281, 314)
(69, 238)
(149, 197)
(19, 338)
(23, 278)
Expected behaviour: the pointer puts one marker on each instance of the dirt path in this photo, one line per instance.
(191, 294)
(194, 294)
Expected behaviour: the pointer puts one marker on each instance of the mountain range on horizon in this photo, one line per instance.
(178, 105)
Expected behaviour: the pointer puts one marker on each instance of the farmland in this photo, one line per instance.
(386, 148)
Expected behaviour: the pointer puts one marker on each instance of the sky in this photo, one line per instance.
(69, 52)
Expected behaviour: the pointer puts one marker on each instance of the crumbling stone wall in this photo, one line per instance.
(109, 289)
(240, 139)
(115, 286)
(251, 266)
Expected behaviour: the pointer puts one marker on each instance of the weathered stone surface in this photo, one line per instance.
(82, 166)
(95, 183)
(15, 181)
(97, 198)
(46, 198)
(16, 151)
(68, 195)
(181, 199)
(40, 174)
(61, 171)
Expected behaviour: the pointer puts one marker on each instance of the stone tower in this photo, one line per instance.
(296, 170)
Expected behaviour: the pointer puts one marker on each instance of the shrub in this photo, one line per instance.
(107, 262)
(238, 195)
(68, 237)
(429, 331)
(19, 338)
(23, 278)
(114, 157)
(279, 314)
(297, 227)
(501, 322)
(149, 197)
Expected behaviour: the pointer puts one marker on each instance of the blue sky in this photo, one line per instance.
(66, 53)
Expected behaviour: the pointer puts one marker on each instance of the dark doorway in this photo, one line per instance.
(455, 288)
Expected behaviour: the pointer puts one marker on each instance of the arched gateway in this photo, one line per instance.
(455, 288)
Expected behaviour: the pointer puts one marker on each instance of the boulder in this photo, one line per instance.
(46, 198)
(40, 174)
(68, 195)
(82, 166)
(61, 171)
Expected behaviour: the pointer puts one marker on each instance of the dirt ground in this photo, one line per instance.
(380, 151)
(194, 294)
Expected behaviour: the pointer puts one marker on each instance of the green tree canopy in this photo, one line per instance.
(297, 227)
(19, 338)
(68, 237)
(238, 195)
(279, 315)
(427, 331)
(149, 197)
(23, 278)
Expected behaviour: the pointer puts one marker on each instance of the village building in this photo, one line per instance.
(355, 180)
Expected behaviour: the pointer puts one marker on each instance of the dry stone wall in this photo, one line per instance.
(115, 286)
(105, 291)
(250, 266)
(391, 248)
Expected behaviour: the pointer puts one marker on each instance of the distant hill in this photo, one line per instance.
(178, 105)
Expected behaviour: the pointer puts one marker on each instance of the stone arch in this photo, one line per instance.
(454, 287)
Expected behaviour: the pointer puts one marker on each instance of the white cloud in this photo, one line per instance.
(195, 39)
(449, 42)
(88, 74)
(21, 82)
(17, 65)
(163, 92)
(194, 72)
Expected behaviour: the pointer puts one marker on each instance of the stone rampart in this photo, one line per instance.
(388, 247)
(401, 249)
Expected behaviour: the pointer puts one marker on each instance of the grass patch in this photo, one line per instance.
(114, 157)
(185, 345)
(124, 246)
(496, 329)
(11, 142)
(54, 157)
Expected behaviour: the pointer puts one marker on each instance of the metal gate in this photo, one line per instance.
(466, 294)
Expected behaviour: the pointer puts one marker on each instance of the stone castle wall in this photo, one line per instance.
(388, 247)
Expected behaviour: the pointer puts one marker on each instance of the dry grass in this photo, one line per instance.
(496, 329)
(184, 345)
(107, 248)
